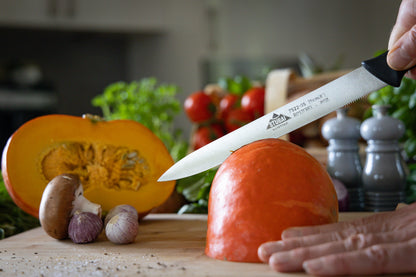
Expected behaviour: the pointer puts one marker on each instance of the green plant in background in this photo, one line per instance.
(153, 105)
(402, 102)
(237, 85)
(196, 190)
(13, 220)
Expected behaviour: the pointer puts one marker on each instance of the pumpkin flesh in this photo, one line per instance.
(118, 161)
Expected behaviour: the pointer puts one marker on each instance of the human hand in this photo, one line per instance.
(402, 42)
(381, 243)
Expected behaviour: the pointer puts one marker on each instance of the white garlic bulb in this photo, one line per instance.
(122, 228)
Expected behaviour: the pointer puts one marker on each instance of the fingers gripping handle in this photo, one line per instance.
(378, 67)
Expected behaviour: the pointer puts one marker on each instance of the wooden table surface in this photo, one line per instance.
(167, 245)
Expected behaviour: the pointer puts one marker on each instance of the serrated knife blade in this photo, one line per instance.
(373, 75)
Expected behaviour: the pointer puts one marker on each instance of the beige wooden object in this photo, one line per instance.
(276, 92)
(167, 245)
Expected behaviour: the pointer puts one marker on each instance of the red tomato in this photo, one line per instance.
(229, 102)
(199, 107)
(253, 101)
(237, 118)
(206, 134)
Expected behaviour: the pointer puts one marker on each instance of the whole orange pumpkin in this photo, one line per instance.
(259, 191)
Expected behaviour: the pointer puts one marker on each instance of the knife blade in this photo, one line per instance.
(373, 75)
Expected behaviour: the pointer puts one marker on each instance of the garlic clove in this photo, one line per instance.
(119, 209)
(84, 227)
(122, 228)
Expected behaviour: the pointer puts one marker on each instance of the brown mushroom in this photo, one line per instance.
(62, 197)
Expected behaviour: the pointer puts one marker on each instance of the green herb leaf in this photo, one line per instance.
(196, 190)
(153, 105)
(193, 208)
(237, 85)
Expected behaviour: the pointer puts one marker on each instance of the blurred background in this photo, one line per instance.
(56, 55)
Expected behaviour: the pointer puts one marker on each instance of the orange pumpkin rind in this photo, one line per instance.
(117, 161)
(262, 189)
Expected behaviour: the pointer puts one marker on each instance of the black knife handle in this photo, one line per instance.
(378, 67)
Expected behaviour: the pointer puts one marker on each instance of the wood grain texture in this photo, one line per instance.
(167, 245)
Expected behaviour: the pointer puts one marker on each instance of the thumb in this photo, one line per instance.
(402, 55)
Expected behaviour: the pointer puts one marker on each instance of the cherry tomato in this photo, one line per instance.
(237, 118)
(253, 101)
(199, 107)
(206, 134)
(229, 102)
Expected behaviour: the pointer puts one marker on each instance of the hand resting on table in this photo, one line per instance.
(378, 244)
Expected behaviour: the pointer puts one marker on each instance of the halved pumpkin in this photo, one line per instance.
(262, 189)
(118, 161)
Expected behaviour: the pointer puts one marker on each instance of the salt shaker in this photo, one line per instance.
(344, 164)
(384, 173)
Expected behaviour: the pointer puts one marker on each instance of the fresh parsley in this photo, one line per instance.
(196, 190)
(146, 101)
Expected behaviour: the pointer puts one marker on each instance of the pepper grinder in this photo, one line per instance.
(344, 162)
(384, 173)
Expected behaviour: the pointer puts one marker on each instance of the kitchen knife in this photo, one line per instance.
(371, 76)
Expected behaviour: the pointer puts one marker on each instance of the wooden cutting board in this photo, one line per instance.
(167, 245)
